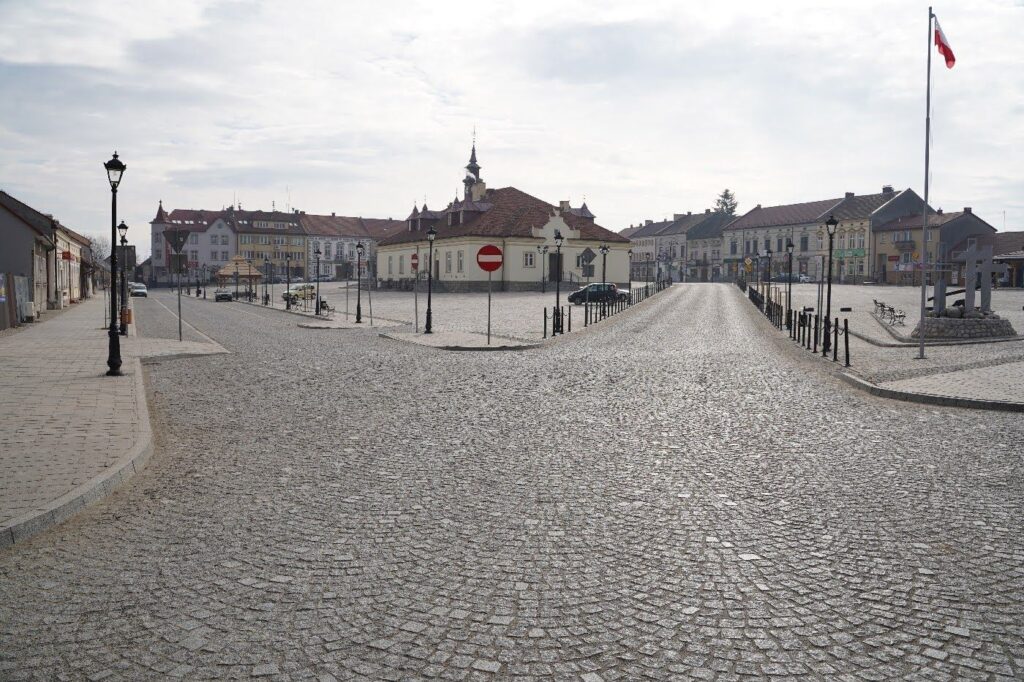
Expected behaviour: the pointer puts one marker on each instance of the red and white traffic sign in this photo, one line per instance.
(414, 260)
(489, 258)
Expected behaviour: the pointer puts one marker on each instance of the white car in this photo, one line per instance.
(804, 279)
(139, 290)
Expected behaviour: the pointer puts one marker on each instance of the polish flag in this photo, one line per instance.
(944, 49)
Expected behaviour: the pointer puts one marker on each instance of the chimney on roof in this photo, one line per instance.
(849, 195)
(332, 214)
(707, 210)
(677, 216)
(887, 189)
(939, 211)
(967, 209)
(564, 205)
(648, 222)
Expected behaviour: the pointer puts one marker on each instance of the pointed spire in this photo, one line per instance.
(161, 215)
(473, 167)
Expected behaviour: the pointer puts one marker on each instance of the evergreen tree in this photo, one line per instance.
(726, 202)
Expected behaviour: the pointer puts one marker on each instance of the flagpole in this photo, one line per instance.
(924, 210)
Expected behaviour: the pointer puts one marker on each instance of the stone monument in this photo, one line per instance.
(967, 322)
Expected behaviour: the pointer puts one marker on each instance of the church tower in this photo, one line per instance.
(475, 187)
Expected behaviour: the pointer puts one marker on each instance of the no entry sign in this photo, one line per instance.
(489, 258)
(414, 260)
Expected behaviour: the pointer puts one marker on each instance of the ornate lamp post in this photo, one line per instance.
(287, 280)
(789, 284)
(604, 262)
(122, 230)
(431, 235)
(316, 308)
(542, 251)
(359, 288)
(830, 225)
(115, 169)
(769, 278)
(558, 281)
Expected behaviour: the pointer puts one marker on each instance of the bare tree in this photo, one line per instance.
(100, 247)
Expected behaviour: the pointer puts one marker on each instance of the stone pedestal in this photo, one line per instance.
(975, 326)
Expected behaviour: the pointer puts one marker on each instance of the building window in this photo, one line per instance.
(579, 260)
(401, 265)
(842, 241)
(821, 242)
(327, 251)
(528, 259)
(778, 245)
(860, 240)
(213, 239)
(213, 255)
(391, 264)
(447, 261)
(803, 242)
(193, 238)
(158, 255)
(767, 244)
(881, 238)
(223, 240)
(461, 260)
(195, 256)
(732, 248)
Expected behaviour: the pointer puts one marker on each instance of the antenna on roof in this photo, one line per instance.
(288, 206)
(273, 205)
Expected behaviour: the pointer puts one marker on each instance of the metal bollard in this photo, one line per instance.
(586, 315)
(835, 344)
(815, 334)
(570, 319)
(846, 339)
(545, 322)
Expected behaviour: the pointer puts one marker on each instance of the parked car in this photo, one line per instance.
(300, 291)
(139, 290)
(222, 295)
(597, 292)
(805, 279)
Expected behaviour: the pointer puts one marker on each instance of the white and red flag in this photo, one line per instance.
(944, 49)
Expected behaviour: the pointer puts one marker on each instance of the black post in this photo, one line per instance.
(789, 284)
(114, 347)
(287, 281)
(359, 290)
(835, 342)
(430, 286)
(545, 323)
(316, 308)
(846, 339)
(124, 287)
(828, 296)
(558, 283)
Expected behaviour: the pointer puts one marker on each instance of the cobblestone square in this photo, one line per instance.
(680, 493)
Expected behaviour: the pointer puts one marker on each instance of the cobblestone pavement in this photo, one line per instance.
(64, 423)
(515, 315)
(682, 495)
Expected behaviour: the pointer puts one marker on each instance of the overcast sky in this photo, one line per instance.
(643, 108)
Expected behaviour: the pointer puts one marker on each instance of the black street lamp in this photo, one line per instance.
(558, 282)
(288, 281)
(431, 235)
(757, 258)
(359, 286)
(630, 253)
(316, 252)
(789, 285)
(115, 169)
(604, 263)
(542, 251)
(122, 230)
(830, 225)
(266, 277)
(769, 278)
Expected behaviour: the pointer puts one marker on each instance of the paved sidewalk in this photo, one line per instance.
(68, 433)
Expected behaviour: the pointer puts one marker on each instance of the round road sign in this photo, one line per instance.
(414, 260)
(489, 258)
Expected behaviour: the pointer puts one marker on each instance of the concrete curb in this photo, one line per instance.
(64, 507)
(524, 346)
(929, 398)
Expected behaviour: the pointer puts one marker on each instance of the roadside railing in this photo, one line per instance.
(804, 326)
(596, 311)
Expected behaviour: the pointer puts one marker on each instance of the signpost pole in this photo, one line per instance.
(179, 297)
(489, 273)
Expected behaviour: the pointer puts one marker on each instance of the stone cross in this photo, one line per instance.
(979, 262)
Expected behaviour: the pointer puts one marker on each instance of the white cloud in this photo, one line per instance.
(647, 108)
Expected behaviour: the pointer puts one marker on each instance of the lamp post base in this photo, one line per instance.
(114, 354)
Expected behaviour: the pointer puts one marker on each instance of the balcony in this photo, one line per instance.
(905, 244)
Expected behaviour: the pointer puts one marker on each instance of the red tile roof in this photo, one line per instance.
(513, 213)
(332, 226)
(382, 228)
(1008, 242)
